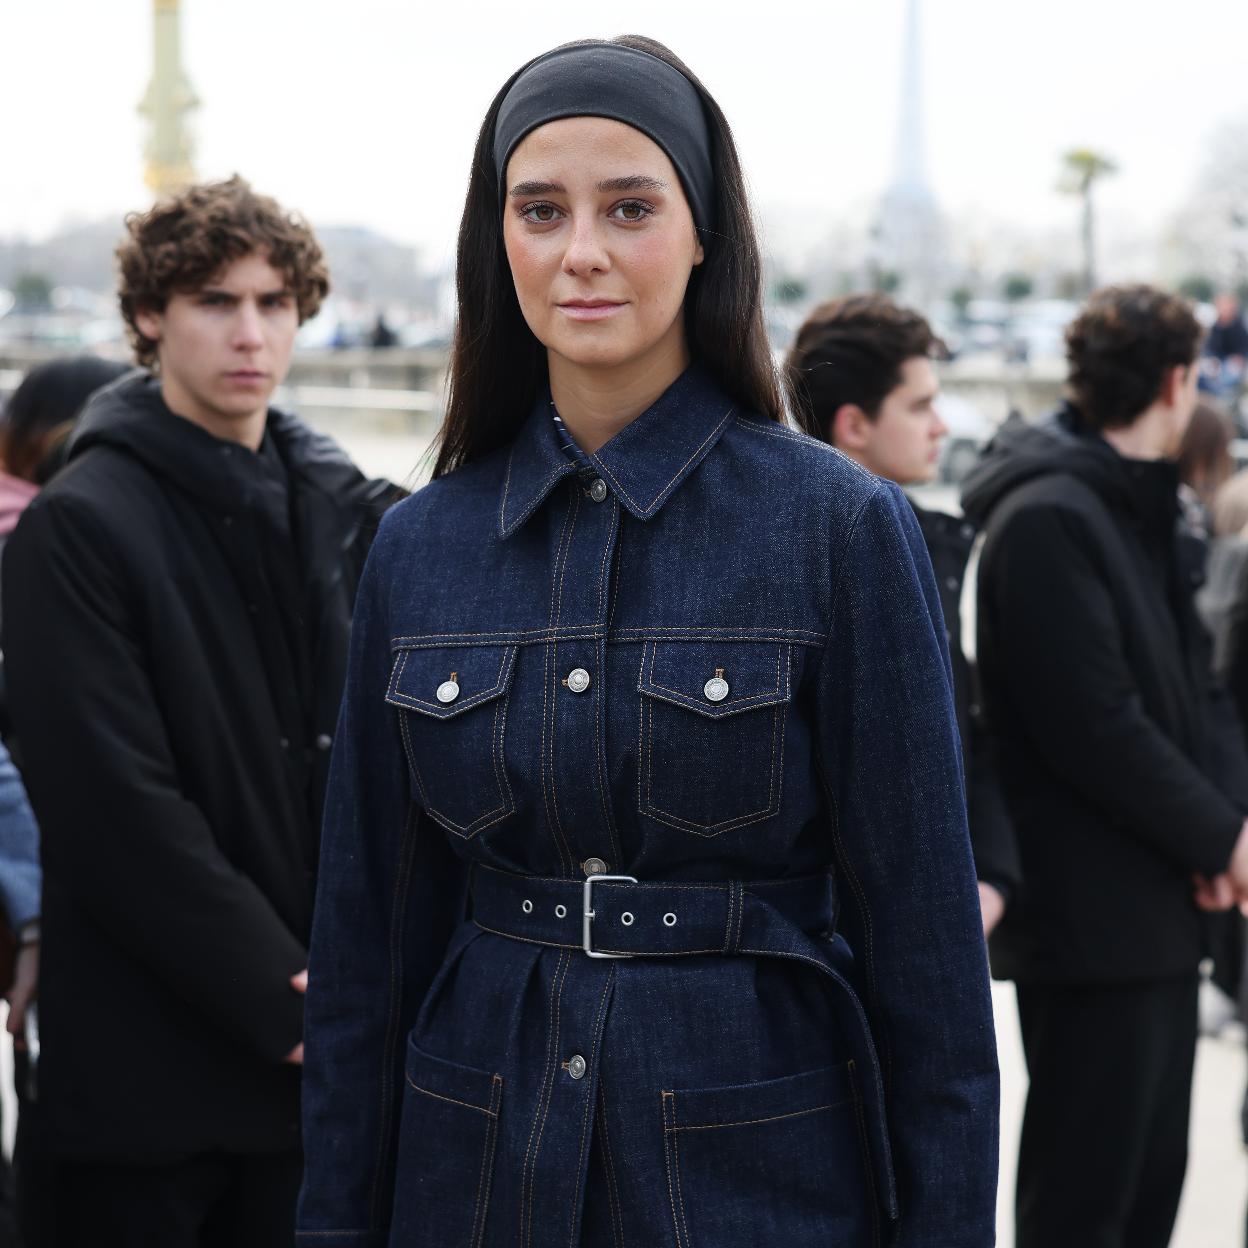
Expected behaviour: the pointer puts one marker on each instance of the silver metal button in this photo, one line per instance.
(952, 582)
(716, 689)
(594, 866)
(324, 741)
(448, 691)
(578, 680)
(598, 490)
(577, 1066)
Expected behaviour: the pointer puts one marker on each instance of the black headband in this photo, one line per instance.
(622, 84)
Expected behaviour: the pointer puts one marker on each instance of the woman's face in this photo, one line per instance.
(600, 241)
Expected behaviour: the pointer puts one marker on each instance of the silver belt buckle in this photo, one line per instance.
(587, 914)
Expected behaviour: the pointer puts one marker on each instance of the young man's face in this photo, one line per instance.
(225, 348)
(902, 442)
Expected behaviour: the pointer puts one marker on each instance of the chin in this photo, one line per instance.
(596, 354)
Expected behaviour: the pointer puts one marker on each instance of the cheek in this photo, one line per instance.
(529, 264)
(659, 267)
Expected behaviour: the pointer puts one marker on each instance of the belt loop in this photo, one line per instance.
(736, 901)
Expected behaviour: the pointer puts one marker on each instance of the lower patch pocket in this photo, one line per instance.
(778, 1162)
(446, 1152)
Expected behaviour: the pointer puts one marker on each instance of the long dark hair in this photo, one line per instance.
(498, 367)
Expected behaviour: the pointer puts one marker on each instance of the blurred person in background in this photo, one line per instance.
(1228, 336)
(176, 607)
(863, 380)
(1226, 351)
(1128, 802)
(1205, 465)
(19, 938)
(34, 432)
(40, 414)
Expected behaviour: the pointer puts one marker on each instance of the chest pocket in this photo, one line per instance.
(454, 703)
(712, 732)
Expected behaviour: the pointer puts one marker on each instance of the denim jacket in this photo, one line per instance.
(716, 667)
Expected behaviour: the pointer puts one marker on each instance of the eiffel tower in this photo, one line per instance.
(909, 234)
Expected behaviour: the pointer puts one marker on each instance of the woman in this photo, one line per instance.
(646, 912)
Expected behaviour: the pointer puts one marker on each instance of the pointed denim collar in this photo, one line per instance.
(642, 465)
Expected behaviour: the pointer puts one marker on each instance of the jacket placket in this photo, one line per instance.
(582, 535)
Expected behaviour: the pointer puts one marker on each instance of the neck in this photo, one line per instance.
(596, 403)
(247, 431)
(1147, 437)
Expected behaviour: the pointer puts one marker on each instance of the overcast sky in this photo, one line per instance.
(365, 111)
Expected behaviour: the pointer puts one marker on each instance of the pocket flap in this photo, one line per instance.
(448, 1081)
(449, 680)
(773, 1099)
(750, 674)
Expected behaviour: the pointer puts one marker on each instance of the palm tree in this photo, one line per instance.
(1081, 169)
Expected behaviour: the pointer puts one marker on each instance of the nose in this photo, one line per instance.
(939, 428)
(247, 328)
(586, 252)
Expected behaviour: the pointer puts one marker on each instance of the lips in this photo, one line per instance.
(590, 309)
(246, 376)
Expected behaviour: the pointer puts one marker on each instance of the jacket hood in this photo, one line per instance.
(132, 416)
(1021, 452)
(14, 495)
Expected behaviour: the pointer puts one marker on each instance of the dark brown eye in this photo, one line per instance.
(539, 214)
(632, 210)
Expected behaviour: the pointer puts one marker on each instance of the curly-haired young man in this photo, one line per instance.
(1128, 803)
(176, 607)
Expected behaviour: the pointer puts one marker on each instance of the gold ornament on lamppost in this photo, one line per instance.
(169, 165)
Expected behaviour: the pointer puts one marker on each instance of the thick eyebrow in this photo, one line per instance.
(633, 182)
(538, 188)
(219, 293)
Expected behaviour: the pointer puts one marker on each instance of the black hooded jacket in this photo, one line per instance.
(175, 617)
(1095, 673)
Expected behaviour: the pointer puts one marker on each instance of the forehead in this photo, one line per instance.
(587, 149)
(918, 380)
(251, 272)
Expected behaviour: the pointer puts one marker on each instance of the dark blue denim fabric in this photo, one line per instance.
(725, 1100)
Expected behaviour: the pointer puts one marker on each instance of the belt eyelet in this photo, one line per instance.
(527, 906)
(669, 919)
(561, 911)
(626, 918)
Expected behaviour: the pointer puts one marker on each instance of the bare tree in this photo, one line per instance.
(1082, 168)
(1209, 236)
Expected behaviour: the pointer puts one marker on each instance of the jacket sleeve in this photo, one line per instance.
(20, 877)
(1060, 661)
(910, 908)
(119, 836)
(389, 895)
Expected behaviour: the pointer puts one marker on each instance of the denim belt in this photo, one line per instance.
(614, 916)
(617, 916)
